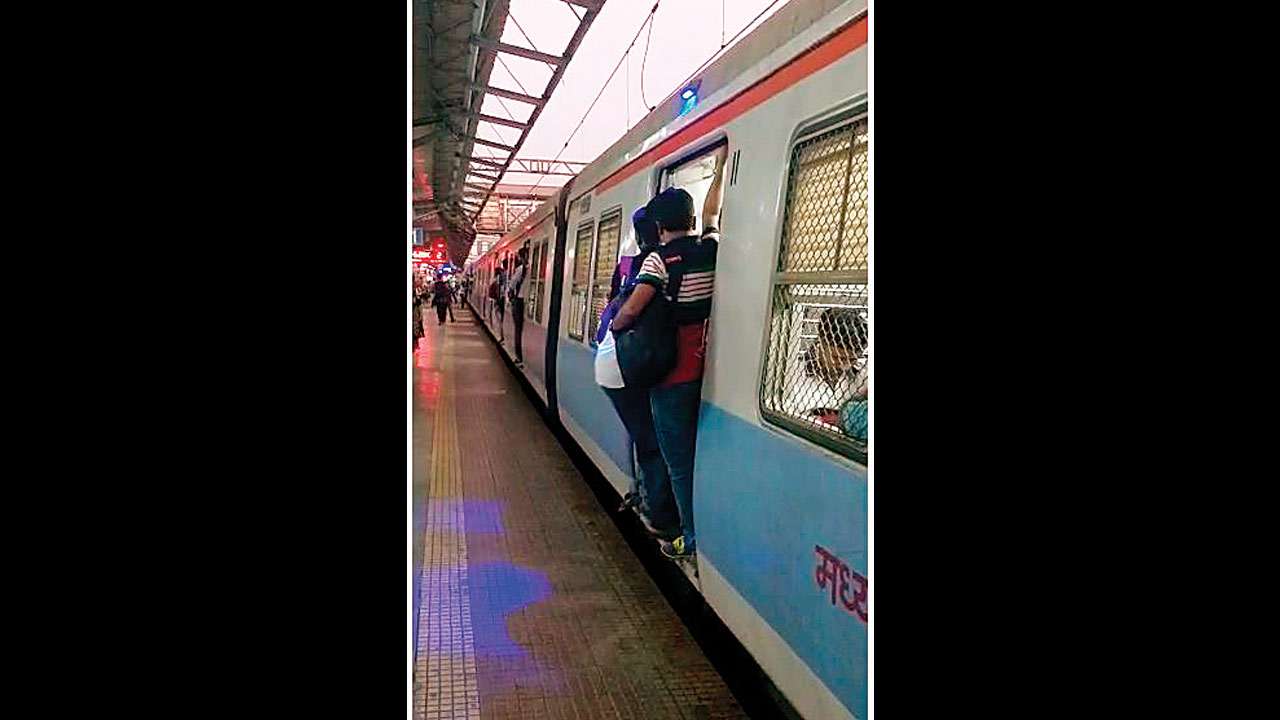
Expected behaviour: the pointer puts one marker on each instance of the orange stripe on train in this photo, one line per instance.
(836, 46)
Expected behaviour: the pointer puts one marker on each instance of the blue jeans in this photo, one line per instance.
(675, 418)
(651, 472)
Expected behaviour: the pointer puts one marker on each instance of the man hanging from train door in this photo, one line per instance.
(515, 288)
(683, 270)
(650, 492)
(500, 299)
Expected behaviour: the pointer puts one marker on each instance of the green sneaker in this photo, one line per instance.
(679, 548)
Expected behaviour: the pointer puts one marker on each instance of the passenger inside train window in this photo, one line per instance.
(683, 270)
(837, 372)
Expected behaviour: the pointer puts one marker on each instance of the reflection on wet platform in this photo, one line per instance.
(528, 603)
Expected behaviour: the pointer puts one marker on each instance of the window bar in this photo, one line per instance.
(844, 199)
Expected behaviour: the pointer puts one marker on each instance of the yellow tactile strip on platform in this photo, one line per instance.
(445, 672)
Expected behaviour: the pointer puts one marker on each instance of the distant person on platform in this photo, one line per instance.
(440, 298)
(417, 315)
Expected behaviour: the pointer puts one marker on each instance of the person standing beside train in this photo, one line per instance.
(493, 291)
(684, 270)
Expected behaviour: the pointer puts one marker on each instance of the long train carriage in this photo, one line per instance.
(780, 496)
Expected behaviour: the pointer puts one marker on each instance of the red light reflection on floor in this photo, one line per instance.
(428, 375)
(429, 388)
(423, 353)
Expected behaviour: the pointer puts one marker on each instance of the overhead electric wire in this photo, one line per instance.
(513, 75)
(648, 20)
(526, 37)
(644, 60)
(572, 9)
(721, 24)
(706, 62)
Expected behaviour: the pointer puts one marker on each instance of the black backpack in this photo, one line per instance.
(647, 349)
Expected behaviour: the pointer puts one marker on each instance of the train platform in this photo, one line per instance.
(528, 601)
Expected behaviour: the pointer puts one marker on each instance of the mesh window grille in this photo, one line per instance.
(826, 221)
(607, 238)
(815, 373)
(581, 278)
(542, 281)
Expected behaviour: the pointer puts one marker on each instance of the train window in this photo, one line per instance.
(488, 280)
(581, 278)
(815, 370)
(607, 238)
(530, 282)
(536, 281)
(542, 279)
(694, 176)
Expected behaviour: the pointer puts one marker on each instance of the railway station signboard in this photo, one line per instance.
(422, 256)
(439, 251)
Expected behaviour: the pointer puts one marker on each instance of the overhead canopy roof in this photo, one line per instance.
(455, 43)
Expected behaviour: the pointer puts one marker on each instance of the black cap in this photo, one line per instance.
(672, 209)
(646, 229)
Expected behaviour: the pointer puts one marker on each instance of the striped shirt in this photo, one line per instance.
(684, 270)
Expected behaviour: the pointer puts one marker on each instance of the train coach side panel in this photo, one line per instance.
(535, 366)
(782, 521)
(588, 413)
(768, 508)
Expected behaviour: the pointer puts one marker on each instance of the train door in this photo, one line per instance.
(695, 175)
(701, 175)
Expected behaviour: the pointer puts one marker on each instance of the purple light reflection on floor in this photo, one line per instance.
(483, 517)
(499, 591)
(478, 517)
